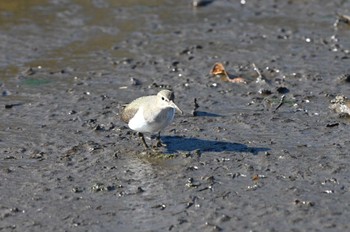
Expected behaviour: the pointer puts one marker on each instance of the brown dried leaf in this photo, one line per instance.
(219, 70)
(240, 80)
(256, 178)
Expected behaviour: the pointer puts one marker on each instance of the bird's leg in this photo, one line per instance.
(159, 143)
(143, 140)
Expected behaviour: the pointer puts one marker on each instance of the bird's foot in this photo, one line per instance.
(143, 141)
(159, 144)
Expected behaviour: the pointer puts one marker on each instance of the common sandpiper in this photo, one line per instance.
(150, 114)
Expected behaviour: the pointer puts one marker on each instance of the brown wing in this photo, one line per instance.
(130, 110)
(127, 113)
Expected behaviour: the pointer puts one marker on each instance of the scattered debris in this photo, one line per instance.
(332, 124)
(260, 77)
(29, 71)
(345, 78)
(265, 92)
(200, 3)
(253, 187)
(140, 190)
(280, 104)
(282, 90)
(258, 71)
(134, 81)
(77, 190)
(191, 183)
(218, 69)
(306, 203)
(160, 206)
(342, 19)
(341, 105)
(159, 86)
(331, 180)
(196, 106)
(5, 93)
(329, 191)
(10, 106)
(255, 178)
(99, 187)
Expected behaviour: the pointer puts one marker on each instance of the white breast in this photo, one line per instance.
(139, 124)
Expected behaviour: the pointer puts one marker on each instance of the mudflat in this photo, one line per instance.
(263, 154)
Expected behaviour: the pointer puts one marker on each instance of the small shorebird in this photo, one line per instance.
(150, 114)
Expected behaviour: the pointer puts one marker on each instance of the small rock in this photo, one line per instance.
(282, 90)
(345, 78)
(200, 3)
(265, 91)
(341, 105)
(134, 81)
(5, 93)
(28, 72)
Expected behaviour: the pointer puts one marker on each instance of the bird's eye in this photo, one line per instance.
(163, 98)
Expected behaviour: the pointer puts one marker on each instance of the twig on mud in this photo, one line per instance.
(260, 77)
(341, 18)
(196, 106)
(280, 104)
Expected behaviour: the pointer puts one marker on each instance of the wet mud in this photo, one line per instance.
(267, 154)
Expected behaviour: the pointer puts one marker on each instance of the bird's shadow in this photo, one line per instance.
(178, 143)
(205, 114)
